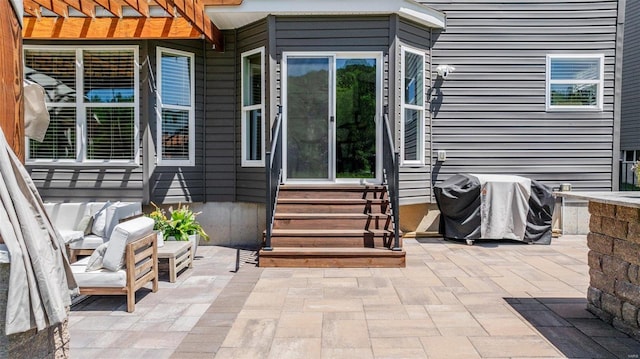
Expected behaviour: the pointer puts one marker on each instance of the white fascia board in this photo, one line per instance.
(231, 17)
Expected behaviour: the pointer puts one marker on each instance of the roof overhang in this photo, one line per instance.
(232, 17)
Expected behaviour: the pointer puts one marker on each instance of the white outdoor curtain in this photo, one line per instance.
(40, 280)
(36, 115)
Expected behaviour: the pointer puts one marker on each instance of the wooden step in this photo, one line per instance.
(331, 205)
(332, 258)
(328, 238)
(332, 220)
(334, 191)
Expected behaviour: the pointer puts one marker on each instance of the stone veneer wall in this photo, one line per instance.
(614, 265)
(51, 343)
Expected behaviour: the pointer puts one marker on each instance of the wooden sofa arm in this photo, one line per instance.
(141, 260)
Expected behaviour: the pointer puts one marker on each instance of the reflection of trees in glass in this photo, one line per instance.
(574, 95)
(175, 134)
(307, 111)
(355, 119)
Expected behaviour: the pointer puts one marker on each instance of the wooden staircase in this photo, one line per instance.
(332, 226)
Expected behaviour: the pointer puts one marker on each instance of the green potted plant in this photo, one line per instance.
(160, 223)
(183, 226)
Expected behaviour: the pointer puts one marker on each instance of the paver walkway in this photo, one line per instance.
(490, 300)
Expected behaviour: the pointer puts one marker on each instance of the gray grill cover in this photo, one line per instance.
(477, 206)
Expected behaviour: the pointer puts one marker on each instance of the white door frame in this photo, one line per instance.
(333, 56)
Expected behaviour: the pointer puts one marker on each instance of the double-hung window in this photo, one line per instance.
(412, 107)
(575, 82)
(175, 108)
(92, 98)
(253, 108)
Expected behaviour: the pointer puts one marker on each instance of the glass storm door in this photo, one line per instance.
(331, 118)
(308, 112)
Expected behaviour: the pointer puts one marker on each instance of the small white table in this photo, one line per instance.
(179, 254)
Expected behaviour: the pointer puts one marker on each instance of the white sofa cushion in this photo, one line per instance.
(97, 278)
(118, 211)
(100, 221)
(71, 236)
(96, 258)
(66, 216)
(122, 234)
(88, 242)
(85, 225)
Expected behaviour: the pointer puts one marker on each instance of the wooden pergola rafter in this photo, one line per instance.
(181, 19)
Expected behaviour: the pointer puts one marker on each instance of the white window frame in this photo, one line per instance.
(421, 122)
(246, 109)
(81, 109)
(549, 82)
(191, 161)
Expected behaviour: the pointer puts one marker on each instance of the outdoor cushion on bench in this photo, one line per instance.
(97, 219)
(98, 278)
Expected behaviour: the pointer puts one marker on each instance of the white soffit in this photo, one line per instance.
(232, 17)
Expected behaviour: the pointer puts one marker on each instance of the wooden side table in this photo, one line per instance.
(179, 254)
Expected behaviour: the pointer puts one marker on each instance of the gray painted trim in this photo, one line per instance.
(203, 124)
(617, 98)
(235, 115)
(394, 50)
(272, 64)
(148, 145)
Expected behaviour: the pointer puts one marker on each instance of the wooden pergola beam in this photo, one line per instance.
(56, 6)
(31, 8)
(112, 6)
(166, 6)
(192, 12)
(188, 9)
(86, 7)
(221, 2)
(141, 6)
(109, 28)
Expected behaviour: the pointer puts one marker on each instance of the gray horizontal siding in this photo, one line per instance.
(630, 120)
(415, 181)
(179, 184)
(221, 111)
(337, 33)
(490, 113)
(60, 184)
(250, 181)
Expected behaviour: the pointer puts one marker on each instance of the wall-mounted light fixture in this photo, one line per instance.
(445, 70)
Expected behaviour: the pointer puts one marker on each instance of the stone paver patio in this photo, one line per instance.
(490, 300)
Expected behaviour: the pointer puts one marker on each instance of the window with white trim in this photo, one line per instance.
(575, 82)
(92, 98)
(175, 108)
(253, 108)
(412, 107)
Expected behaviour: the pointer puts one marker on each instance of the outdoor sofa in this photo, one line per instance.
(84, 226)
(125, 263)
